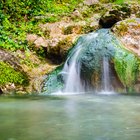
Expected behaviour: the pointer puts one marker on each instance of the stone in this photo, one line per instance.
(41, 42)
(76, 14)
(91, 2)
(31, 38)
(129, 33)
(9, 58)
(114, 14)
(8, 88)
(58, 47)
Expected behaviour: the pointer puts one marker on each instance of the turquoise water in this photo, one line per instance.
(79, 117)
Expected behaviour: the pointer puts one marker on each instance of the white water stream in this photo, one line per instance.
(73, 84)
(73, 81)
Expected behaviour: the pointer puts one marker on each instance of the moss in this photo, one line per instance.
(68, 30)
(87, 29)
(122, 27)
(9, 75)
(126, 66)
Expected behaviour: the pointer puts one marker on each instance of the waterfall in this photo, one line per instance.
(72, 70)
(83, 70)
(106, 83)
(105, 75)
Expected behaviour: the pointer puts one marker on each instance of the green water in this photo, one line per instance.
(79, 117)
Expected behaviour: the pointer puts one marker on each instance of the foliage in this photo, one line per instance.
(9, 75)
(119, 1)
(26, 9)
(19, 17)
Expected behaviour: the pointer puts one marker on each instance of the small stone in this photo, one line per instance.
(41, 42)
(31, 38)
(91, 2)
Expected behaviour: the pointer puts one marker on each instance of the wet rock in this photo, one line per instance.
(9, 88)
(128, 31)
(137, 88)
(115, 14)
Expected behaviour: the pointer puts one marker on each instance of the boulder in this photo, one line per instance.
(9, 58)
(114, 14)
(129, 33)
(58, 47)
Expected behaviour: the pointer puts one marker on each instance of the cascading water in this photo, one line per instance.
(87, 68)
(72, 69)
(72, 79)
(105, 76)
(106, 84)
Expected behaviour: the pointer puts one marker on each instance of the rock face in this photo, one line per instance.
(128, 32)
(7, 57)
(114, 14)
(22, 72)
(60, 38)
(12, 75)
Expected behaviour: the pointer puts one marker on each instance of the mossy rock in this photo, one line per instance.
(114, 14)
(9, 75)
(127, 67)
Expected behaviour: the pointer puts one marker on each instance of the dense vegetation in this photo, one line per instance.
(19, 17)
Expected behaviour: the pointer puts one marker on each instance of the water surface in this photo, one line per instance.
(76, 117)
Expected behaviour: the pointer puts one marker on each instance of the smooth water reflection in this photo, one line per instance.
(80, 117)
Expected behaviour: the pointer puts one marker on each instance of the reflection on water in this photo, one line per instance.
(79, 117)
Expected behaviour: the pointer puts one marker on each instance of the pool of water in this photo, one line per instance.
(76, 117)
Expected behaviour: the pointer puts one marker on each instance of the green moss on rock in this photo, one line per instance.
(126, 66)
(9, 75)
